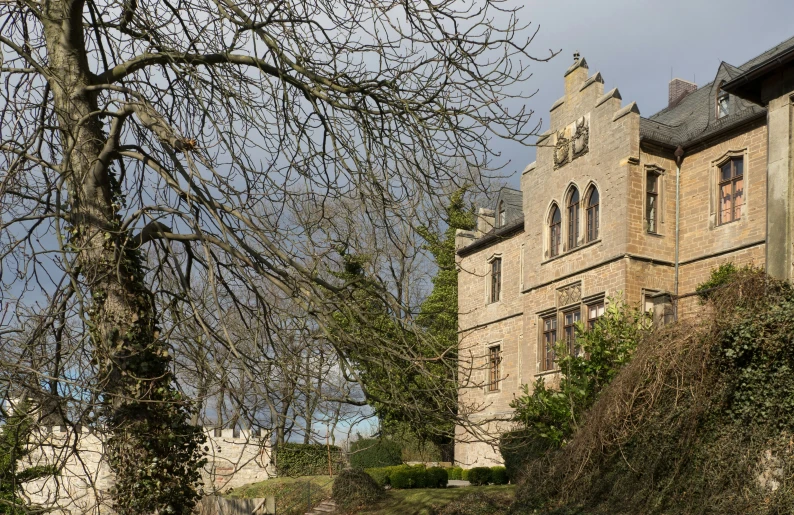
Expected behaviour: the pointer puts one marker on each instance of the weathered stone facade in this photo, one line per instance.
(82, 486)
(659, 230)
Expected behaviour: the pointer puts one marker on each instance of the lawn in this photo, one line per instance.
(419, 501)
(293, 495)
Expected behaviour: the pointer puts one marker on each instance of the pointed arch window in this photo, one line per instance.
(573, 219)
(592, 206)
(501, 219)
(555, 232)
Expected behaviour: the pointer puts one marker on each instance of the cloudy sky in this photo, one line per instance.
(635, 43)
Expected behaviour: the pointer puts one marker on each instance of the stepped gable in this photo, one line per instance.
(694, 118)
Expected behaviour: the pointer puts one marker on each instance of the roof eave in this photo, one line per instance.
(748, 84)
(494, 236)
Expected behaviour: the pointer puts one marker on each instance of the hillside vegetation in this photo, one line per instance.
(700, 421)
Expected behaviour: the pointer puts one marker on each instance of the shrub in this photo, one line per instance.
(409, 477)
(464, 474)
(418, 475)
(480, 476)
(380, 475)
(374, 452)
(437, 477)
(720, 276)
(519, 448)
(354, 489)
(478, 504)
(455, 473)
(400, 479)
(499, 475)
(295, 459)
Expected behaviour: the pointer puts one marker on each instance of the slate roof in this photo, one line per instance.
(514, 215)
(514, 204)
(694, 118)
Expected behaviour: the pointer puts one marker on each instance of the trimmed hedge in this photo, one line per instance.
(464, 474)
(480, 476)
(375, 453)
(354, 489)
(499, 476)
(297, 459)
(519, 448)
(437, 477)
(455, 473)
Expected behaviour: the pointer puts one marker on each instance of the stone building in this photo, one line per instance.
(83, 482)
(620, 204)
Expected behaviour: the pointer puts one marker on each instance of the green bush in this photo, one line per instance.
(437, 477)
(464, 474)
(519, 448)
(410, 477)
(720, 276)
(455, 473)
(400, 479)
(295, 459)
(354, 489)
(479, 476)
(375, 452)
(499, 475)
(380, 475)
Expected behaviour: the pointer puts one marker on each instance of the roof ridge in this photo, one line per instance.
(782, 44)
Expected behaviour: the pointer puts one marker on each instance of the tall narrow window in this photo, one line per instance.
(594, 312)
(592, 214)
(573, 219)
(496, 279)
(652, 202)
(569, 330)
(549, 341)
(501, 220)
(731, 190)
(723, 104)
(494, 360)
(555, 230)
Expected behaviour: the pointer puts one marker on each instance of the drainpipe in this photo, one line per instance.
(679, 157)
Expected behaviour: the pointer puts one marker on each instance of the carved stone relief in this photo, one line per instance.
(569, 295)
(561, 149)
(581, 137)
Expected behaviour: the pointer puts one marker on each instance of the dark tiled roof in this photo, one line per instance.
(494, 236)
(514, 204)
(694, 118)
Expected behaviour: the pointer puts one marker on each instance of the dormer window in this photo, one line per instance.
(501, 217)
(723, 104)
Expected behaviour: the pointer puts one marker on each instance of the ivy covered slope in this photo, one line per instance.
(700, 421)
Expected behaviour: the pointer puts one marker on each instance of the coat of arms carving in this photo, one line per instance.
(561, 150)
(581, 137)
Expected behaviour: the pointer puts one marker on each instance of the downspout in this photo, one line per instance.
(679, 157)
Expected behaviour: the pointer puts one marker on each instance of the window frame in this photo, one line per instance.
(569, 330)
(495, 290)
(723, 96)
(591, 321)
(548, 327)
(501, 214)
(593, 212)
(572, 210)
(494, 367)
(654, 195)
(555, 232)
(732, 180)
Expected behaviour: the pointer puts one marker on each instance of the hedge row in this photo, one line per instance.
(482, 475)
(296, 459)
(374, 453)
(404, 476)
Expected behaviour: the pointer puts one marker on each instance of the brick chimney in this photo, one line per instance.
(680, 89)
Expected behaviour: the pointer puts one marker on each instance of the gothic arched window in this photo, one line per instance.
(573, 219)
(591, 204)
(555, 231)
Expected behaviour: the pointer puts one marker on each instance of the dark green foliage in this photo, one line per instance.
(409, 477)
(455, 473)
(479, 476)
(551, 415)
(720, 276)
(374, 452)
(297, 459)
(477, 503)
(499, 476)
(400, 479)
(518, 448)
(437, 477)
(380, 475)
(354, 489)
(464, 474)
(700, 422)
(14, 438)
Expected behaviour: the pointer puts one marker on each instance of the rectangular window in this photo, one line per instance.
(549, 341)
(652, 202)
(496, 279)
(594, 312)
(569, 330)
(723, 105)
(731, 190)
(494, 361)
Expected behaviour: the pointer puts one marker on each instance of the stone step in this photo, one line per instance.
(323, 508)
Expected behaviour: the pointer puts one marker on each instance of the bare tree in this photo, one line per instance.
(139, 138)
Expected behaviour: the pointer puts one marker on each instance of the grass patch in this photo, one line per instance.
(294, 495)
(428, 501)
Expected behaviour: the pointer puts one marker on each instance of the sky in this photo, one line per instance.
(636, 43)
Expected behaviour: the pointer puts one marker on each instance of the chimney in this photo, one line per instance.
(680, 89)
